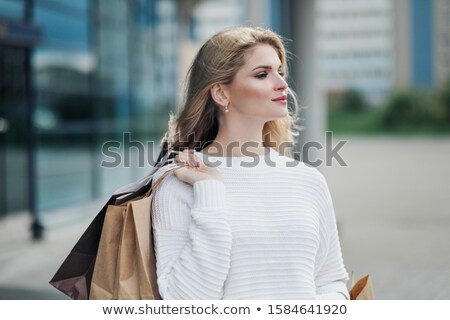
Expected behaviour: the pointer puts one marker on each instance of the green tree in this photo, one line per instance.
(407, 108)
(352, 100)
(443, 103)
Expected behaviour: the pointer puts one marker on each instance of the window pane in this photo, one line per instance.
(11, 9)
(62, 29)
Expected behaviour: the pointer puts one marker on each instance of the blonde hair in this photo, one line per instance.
(218, 61)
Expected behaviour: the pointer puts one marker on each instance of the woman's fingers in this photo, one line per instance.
(188, 158)
(192, 168)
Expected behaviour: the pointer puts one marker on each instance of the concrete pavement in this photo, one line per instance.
(393, 207)
(391, 202)
(26, 267)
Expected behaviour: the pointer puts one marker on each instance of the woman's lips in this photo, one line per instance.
(282, 100)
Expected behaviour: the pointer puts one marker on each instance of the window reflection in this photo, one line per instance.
(102, 68)
(11, 9)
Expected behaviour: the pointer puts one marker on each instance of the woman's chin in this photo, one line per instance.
(284, 113)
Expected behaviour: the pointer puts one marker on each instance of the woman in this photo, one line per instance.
(239, 220)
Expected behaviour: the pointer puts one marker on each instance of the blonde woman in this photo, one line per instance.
(240, 220)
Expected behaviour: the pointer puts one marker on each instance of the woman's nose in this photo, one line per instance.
(281, 84)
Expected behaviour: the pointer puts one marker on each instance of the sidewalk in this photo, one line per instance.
(26, 267)
(392, 203)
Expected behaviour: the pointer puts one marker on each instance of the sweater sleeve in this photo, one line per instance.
(192, 239)
(330, 274)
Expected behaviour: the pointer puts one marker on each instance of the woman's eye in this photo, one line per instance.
(263, 75)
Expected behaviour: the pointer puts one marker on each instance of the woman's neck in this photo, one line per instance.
(234, 145)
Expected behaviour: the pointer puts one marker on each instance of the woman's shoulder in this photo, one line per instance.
(298, 166)
(159, 173)
(304, 174)
(170, 186)
(171, 202)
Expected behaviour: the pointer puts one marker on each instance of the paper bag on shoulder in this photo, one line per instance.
(125, 267)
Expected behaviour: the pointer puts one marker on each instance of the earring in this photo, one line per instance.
(226, 108)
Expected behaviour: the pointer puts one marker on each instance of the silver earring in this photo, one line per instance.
(226, 108)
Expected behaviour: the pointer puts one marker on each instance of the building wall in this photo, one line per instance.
(423, 44)
(377, 46)
(355, 46)
(442, 41)
(209, 17)
(14, 103)
(402, 44)
(206, 19)
(102, 68)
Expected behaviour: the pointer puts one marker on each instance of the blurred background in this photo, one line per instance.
(77, 74)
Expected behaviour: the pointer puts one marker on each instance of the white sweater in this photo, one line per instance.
(267, 231)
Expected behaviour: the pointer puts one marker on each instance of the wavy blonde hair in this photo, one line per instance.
(218, 61)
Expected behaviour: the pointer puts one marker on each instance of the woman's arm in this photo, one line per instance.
(192, 239)
(330, 275)
(336, 291)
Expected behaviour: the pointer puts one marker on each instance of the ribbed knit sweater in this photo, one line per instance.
(266, 231)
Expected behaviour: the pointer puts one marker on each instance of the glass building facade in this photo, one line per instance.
(422, 44)
(75, 78)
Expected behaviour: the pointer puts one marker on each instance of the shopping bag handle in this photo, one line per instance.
(163, 176)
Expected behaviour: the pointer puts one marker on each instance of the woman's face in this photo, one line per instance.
(258, 89)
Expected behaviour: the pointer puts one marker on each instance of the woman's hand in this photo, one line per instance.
(194, 168)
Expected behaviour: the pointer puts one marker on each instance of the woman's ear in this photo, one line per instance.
(219, 94)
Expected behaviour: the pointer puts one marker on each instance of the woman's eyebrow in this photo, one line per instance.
(265, 67)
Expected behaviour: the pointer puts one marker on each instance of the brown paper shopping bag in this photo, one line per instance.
(136, 263)
(362, 289)
(125, 255)
(106, 263)
(125, 266)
